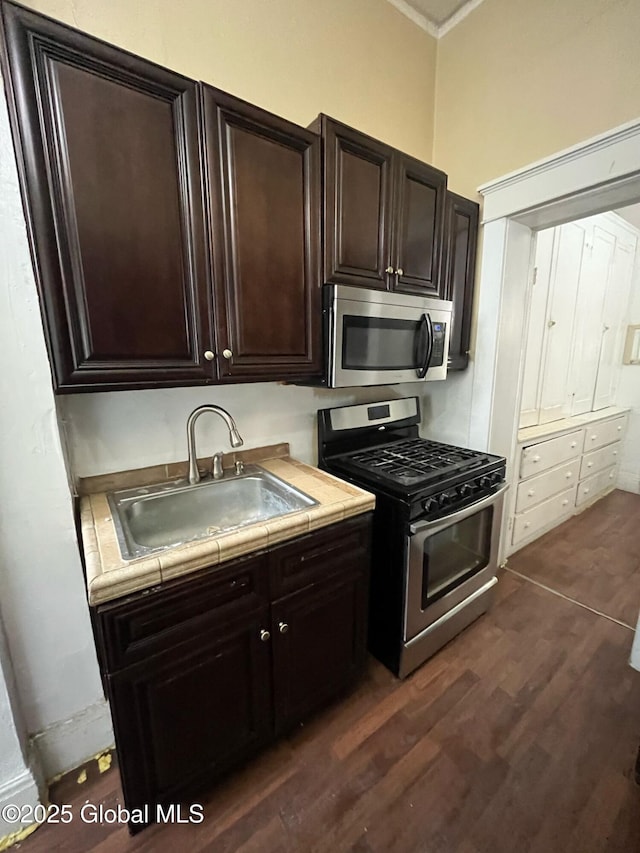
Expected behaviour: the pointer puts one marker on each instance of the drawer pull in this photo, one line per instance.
(565, 502)
(589, 464)
(536, 458)
(531, 493)
(593, 437)
(265, 636)
(615, 452)
(574, 444)
(283, 627)
(611, 475)
(586, 490)
(569, 475)
(619, 428)
(527, 524)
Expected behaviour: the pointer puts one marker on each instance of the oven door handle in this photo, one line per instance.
(425, 325)
(454, 518)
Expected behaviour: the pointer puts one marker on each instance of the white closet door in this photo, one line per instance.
(530, 403)
(596, 267)
(614, 315)
(555, 401)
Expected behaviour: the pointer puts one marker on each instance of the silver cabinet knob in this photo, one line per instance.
(209, 355)
(389, 270)
(227, 353)
(265, 636)
(399, 271)
(283, 627)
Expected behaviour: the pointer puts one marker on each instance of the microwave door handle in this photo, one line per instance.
(427, 329)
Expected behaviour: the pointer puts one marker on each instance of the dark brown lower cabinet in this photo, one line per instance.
(205, 670)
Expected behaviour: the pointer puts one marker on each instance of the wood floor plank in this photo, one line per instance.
(593, 558)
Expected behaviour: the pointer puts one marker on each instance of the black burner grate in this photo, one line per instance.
(416, 459)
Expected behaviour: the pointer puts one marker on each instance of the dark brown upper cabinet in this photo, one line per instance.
(461, 241)
(108, 154)
(263, 208)
(383, 214)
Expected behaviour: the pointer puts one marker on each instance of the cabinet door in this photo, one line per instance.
(183, 717)
(555, 394)
(357, 206)
(589, 327)
(614, 317)
(111, 179)
(536, 328)
(319, 645)
(418, 228)
(461, 239)
(264, 184)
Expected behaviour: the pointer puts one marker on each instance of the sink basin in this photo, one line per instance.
(158, 517)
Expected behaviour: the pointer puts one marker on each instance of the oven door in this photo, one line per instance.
(449, 559)
(379, 338)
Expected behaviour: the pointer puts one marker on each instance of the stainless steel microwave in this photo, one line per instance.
(373, 337)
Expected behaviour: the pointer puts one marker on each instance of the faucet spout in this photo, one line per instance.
(234, 436)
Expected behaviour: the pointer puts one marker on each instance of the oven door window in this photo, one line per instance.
(454, 554)
(378, 343)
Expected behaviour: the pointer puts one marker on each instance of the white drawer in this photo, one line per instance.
(597, 460)
(537, 489)
(546, 514)
(593, 487)
(547, 454)
(604, 432)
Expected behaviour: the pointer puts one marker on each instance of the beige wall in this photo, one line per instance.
(519, 80)
(360, 61)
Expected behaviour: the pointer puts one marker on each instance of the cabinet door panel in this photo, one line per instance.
(183, 717)
(322, 647)
(614, 316)
(357, 207)
(555, 394)
(596, 269)
(264, 177)
(461, 240)
(112, 182)
(536, 327)
(419, 228)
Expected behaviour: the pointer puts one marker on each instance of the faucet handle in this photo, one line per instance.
(239, 467)
(216, 467)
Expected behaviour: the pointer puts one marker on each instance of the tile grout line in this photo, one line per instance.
(567, 598)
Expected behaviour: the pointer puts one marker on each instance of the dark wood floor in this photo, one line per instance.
(593, 558)
(519, 737)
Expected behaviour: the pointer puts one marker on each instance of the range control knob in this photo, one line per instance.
(485, 482)
(496, 477)
(430, 505)
(443, 499)
(464, 490)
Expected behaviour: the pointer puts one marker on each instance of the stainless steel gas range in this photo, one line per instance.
(436, 525)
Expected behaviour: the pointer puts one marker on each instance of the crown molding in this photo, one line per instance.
(421, 20)
(428, 26)
(458, 16)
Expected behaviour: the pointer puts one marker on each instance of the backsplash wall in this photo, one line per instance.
(123, 430)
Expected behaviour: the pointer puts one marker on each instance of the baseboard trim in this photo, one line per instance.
(22, 791)
(67, 744)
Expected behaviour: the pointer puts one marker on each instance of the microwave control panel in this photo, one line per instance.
(437, 354)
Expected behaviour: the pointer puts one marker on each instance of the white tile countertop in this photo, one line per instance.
(110, 576)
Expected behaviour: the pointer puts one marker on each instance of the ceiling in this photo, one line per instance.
(437, 17)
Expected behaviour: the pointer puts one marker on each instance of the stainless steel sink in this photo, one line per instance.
(158, 517)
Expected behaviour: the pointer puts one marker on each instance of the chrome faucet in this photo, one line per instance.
(234, 438)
